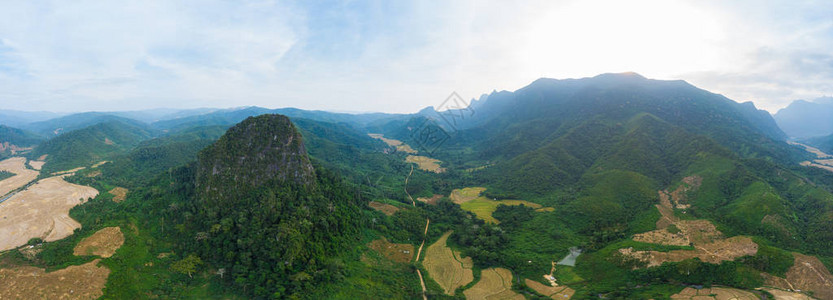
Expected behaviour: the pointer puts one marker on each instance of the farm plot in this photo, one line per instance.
(495, 283)
(400, 146)
(807, 274)
(41, 211)
(470, 200)
(716, 252)
(119, 193)
(385, 208)
(718, 293)
(432, 201)
(103, 243)
(425, 163)
(446, 266)
(554, 292)
(401, 253)
(76, 282)
(16, 165)
(786, 295)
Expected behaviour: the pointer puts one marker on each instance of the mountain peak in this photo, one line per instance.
(254, 152)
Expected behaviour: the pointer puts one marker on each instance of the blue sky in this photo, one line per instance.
(396, 56)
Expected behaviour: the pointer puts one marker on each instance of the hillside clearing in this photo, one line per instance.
(16, 165)
(808, 273)
(400, 146)
(718, 293)
(385, 208)
(495, 283)
(715, 252)
(425, 163)
(470, 200)
(42, 211)
(554, 292)
(446, 266)
(432, 201)
(103, 243)
(786, 295)
(75, 282)
(401, 253)
(119, 194)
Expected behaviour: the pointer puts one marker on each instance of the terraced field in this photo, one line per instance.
(446, 266)
(554, 292)
(495, 283)
(470, 200)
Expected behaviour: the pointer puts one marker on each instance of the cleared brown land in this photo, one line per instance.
(460, 196)
(554, 292)
(383, 207)
(446, 266)
(785, 295)
(68, 172)
(718, 293)
(98, 164)
(425, 163)
(813, 150)
(119, 194)
(806, 274)
(36, 164)
(401, 253)
(14, 149)
(433, 200)
(41, 211)
(715, 252)
(495, 283)
(16, 165)
(103, 243)
(400, 146)
(76, 282)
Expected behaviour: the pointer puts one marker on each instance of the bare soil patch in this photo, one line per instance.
(786, 295)
(41, 210)
(385, 208)
(425, 163)
(460, 196)
(401, 253)
(119, 194)
(98, 164)
(554, 292)
(68, 172)
(446, 266)
(36, 164)
(433, 200)
(400, 146)
(718, 293)
(662, 237)
(806, 274)
(16, 165)
(103, 243)
(495, 283)
(76, 282)
(715, 252)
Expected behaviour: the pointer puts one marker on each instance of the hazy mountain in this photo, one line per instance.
(12, 139)
(57, 126)
(89, 145)
(805, 119)
(17, 118)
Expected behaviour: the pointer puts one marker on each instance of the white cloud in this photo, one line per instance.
(396, 56)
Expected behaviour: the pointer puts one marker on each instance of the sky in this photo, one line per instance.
(396, 56)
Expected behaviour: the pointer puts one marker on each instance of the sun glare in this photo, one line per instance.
(655, 38)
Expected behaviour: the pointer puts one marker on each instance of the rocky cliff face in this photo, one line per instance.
(256, 151)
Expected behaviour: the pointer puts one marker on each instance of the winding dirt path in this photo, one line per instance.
(427, 221)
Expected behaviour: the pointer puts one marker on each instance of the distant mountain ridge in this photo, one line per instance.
(806, 119)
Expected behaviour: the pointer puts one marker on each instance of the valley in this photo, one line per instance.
(564, 198)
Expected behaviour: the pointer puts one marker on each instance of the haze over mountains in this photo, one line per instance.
(661, 184)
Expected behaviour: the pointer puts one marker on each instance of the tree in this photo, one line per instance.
(187, 265)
